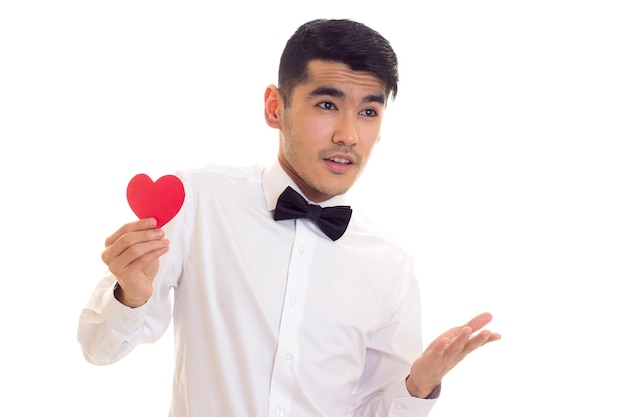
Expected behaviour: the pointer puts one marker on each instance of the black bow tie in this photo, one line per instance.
(333, 221)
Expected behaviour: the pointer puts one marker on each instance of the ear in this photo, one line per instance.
(272, 106)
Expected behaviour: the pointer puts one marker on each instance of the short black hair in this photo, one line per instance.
(337, 40)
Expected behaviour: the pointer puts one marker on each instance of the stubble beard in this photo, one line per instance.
(292, 154)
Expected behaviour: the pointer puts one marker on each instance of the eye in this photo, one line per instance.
(369, 112)
(326, 105)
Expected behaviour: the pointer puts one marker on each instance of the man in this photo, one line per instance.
(275, 315)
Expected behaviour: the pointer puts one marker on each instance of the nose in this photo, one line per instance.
(346, 133)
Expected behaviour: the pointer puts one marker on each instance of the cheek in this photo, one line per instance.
(304, 126)
(369, 135)
(365, 154)
(306, 138)
(316, 129)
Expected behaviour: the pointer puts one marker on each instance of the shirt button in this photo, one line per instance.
(302, 250)
(127, 320)
(294, 302)
(280, 412)
(287, 358)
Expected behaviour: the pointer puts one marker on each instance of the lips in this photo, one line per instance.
(340, 160)
(339, 165)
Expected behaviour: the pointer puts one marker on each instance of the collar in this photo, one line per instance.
(275, 180)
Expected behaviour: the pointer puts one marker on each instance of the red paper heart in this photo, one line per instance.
(161, 199)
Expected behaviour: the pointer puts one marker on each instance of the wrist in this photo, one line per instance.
(424, 391)
(118, 293)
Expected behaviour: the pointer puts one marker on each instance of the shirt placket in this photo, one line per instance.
(286, 358)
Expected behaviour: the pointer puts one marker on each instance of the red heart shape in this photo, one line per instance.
(161, 199)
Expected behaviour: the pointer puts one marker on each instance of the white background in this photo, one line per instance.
(506, 140)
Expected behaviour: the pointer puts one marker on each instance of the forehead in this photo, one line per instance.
(341, 77)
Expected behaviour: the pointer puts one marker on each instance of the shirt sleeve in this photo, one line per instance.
(391, 350)
(109, 330)
(403, 404)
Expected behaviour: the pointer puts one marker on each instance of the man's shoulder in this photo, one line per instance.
(214, 174)
(376, 232)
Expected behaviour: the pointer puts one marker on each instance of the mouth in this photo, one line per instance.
(339, 164)
(339, 160)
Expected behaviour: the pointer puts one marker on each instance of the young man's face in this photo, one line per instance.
(329, 129)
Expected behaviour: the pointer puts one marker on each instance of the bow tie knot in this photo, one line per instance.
(333, 221)
(313, 212)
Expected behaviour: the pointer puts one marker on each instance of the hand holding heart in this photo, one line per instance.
(132, 252)
(132, 255)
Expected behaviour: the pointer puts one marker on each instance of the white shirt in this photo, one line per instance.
(271, 318)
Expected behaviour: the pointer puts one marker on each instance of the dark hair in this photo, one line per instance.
(338, 40)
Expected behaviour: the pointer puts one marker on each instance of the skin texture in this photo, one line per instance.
(335, 115)
(445, 352)
(132, 255)
(326, 137)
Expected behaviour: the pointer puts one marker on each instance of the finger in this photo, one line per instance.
(479, 321)
(439, 346)
(478, 340)
(494, 336)
(142, 224)
(128, 240)
(135, 272)
(458, 343)
(134, 258)
(475, 324)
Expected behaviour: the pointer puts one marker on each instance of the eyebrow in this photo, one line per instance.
(335, 92)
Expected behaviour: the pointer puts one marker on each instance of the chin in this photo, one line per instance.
(333, 191)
